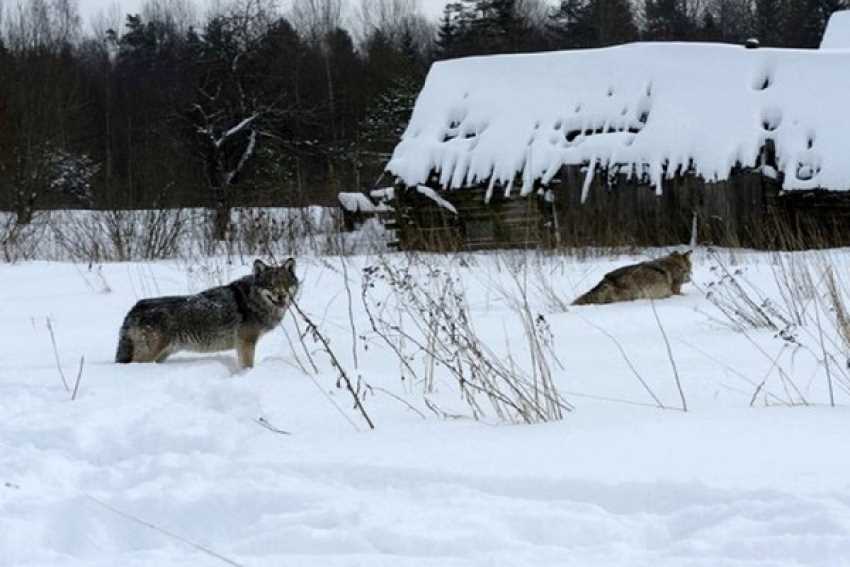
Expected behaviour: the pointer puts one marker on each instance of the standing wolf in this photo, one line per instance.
(654, 279)
(222, 318)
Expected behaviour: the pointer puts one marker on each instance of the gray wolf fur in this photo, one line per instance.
(233, 316)
(654, 279)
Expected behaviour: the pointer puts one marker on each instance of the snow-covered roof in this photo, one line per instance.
(383, 194)
(354, 202)
(837, 33)
(662, 106)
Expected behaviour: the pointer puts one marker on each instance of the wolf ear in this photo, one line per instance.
(290, 265)
(259, 267)
(687, 254)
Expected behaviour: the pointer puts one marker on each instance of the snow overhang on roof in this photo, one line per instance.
(356, 203)
(665, 107)
(837, 33)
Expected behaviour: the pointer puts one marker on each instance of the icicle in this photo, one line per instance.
(448, 170)
(489, 194)
(694, 230)
(552, 169)
(588, 179)
(657, 178)
(460, 172)
(527, 175)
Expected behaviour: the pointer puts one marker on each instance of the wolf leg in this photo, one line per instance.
(163, 354)
(246, 344)
(150, 348)
(125, 349)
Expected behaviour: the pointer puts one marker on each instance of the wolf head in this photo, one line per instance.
(276, 284)
(682, 264)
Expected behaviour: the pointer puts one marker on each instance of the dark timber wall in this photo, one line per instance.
(422, 224)
(623, 211)
(748, 209)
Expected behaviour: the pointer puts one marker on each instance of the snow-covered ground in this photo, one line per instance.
(171, 464)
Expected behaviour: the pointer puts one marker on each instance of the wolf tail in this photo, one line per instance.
(125, 349)
(599, 294)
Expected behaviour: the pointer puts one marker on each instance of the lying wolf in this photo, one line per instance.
(654, 279)
(222, 318)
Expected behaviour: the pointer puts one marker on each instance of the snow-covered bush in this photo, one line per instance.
(120, 235)
(21, 241)
(71, 174)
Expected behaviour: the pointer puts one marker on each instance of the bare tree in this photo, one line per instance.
(180, 15)
(315, 19)
(42, 24)
(37, 156)
(399, 21)
(106, 20)
(389, 16)
(238, 104)
(535, 12)
(251, 18)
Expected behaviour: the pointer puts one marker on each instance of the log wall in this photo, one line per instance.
(746, 210)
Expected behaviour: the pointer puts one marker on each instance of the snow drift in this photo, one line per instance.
(180, 446)
(660, 107)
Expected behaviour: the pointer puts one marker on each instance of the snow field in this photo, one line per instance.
(617, 482)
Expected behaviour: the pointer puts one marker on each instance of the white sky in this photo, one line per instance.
(89, 9)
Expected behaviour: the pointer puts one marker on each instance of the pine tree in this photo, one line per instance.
(593, 23)
(395, 73)
(769, 16)
(613, 22)
(387, 117)
(667, 20)
(499, 26)
(571, 24)
(708, 29)
(735, 20)
(447, 32)
(806, 21)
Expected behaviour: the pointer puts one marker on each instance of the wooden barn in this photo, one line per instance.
(639, 144)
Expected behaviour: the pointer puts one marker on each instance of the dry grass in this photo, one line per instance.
(806, 314)
(418, 308)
